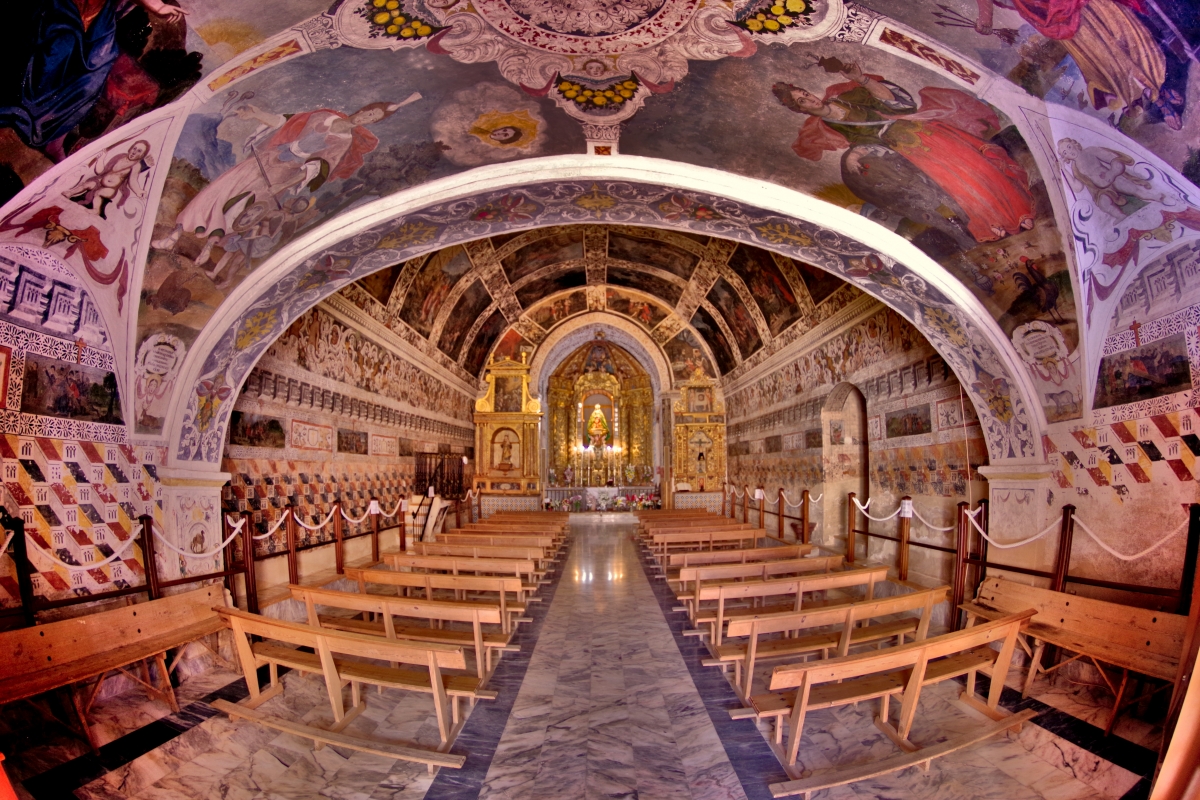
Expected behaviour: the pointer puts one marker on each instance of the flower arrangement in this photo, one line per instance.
(387, 18)
(772, 16)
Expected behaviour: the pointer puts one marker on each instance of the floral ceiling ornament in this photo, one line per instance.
(598, 60)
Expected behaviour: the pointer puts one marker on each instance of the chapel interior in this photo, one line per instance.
(421, 399)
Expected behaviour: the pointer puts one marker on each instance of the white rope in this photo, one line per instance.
(818, 498)
(928, 524)
(79, 567)
(162, 538)
(789, 502)
(1007, 546)
(354, 521)
(1135, 556)
(278, 524)
(319, 525)
(863, 509)
(237, 526)
(395, 510)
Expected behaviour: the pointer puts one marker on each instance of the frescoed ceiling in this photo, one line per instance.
(1003, 174)
(550, 275)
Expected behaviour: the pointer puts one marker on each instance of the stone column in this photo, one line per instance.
(1020, 503)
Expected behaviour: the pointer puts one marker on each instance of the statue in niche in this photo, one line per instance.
(597, 428)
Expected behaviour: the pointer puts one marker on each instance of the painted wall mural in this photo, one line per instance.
(687, 357)
(432, 286)
(726, 300)
(652, 253)
(554, 311)
(646, 312)
(771, 291)
(564, 246)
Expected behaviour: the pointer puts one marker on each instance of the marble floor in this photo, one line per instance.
(607, 699)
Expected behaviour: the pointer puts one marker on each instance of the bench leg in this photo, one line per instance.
(1112, 720)
(168, 691)
(81, 716)
(1035, 661)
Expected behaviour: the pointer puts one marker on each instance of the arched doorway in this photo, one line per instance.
(845, 459)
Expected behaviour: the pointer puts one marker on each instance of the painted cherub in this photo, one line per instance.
(1105, 174)
(113, 178)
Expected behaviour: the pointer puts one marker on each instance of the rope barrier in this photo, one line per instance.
(358, 521)
(278, 524)
(319, 525)
(1135, 556)
(395, 510)
(928, 524)
(162, 538)
(863, 509)
(79, 567)
(973, 514)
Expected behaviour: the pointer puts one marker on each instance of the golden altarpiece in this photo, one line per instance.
(699, 447)
(601, 409)
(507, 420)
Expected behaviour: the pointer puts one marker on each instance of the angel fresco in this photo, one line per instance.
(286, 162)
(944, 139)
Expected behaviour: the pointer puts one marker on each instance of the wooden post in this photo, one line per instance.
(20, 559)
(248, 563)
(375, 532)
(850, 527)
(339, 538)
(148, 556)
(961, 551)
(902, 548)
(458, 513)
(1062, 561)
(724, 491)
(804, 501)
(984, 521)
(226, 529)
(292, 561)
(1190, 554)
(782, 508)
(746, 503)
(762, 511)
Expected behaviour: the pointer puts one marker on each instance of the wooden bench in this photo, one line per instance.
(905, 670)
(548, 544)
(510, 612)
(790, 591)
(538, 554)
(696, 577)
(661, 544)
(474, 613)
(456, 565)
(1131, 639)
(852, 621)
(71, 652)
(692, 558)
(328, 658)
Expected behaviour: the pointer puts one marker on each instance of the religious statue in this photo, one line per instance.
(597, 428)
(569, 476)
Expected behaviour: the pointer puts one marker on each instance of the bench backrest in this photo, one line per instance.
(412, 607)
(496, 540)
(861, 576)
(789, 676)
(760, 569)
(746, 556)
(675, 527)
(337, 642)
(514, 566)
(846, 614)
(705, 536)
(28, 650)
(479, 551)
(429, 580)
(1136, 628)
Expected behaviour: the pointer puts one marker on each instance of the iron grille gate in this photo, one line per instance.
(443, 471)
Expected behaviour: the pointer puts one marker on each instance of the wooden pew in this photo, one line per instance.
(328, 658)
(663, 543)
(456, 565)
(694, 558)
(476, 614)
(483, 551)
(510, 612)
(853, 628)
(696, 577)
(788, 594)
(1131, 639)
(797, 689)
(71, 652)
(547, 543)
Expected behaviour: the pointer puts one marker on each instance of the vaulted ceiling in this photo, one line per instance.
(1000, 174)
(737, 303)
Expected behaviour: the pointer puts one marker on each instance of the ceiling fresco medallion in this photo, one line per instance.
(598, 60)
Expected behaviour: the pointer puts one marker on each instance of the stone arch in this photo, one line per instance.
(623, 190)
